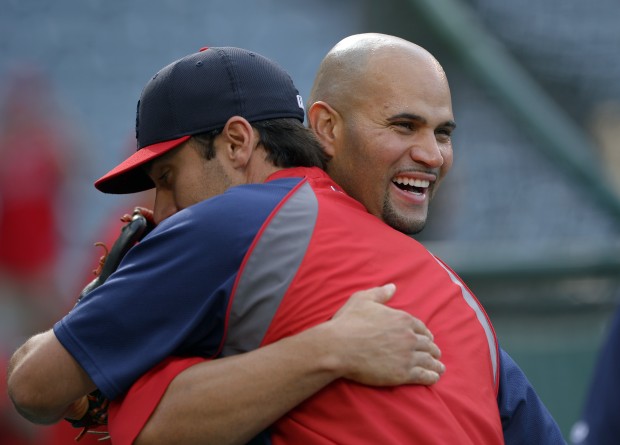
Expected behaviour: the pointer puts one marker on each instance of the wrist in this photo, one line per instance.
(324, 345)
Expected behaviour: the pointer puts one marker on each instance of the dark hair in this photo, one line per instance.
(206, 141)
(287, 142)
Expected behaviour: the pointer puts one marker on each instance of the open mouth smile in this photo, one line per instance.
(415, 186)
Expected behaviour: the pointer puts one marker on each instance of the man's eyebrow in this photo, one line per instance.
(409, 116)
(415, 117)
(449, 124)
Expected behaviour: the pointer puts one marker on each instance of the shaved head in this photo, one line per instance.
(352, 65)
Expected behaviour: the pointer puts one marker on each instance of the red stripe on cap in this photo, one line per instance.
(138, 159)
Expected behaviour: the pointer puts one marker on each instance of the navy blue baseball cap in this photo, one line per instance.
(199, 93)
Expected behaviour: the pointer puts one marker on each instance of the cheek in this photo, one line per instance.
(186, 194)
(448, 159)
(446, 166)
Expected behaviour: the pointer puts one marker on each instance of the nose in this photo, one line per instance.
(164, 207)
(427, 150)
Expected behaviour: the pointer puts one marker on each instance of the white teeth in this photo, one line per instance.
(422, 183)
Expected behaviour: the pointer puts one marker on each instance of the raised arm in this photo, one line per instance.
(231, 400)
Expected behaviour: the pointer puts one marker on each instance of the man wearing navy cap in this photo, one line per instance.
(198, 94)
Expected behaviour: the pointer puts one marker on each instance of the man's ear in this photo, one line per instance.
(239, 140)
(326, 123)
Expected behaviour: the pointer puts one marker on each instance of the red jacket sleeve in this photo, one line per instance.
(128, 414)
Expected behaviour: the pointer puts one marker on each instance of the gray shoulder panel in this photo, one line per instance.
(269, 268)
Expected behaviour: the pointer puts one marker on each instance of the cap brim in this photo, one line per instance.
(128, 177)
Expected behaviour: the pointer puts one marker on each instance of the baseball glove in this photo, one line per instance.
(137, 226)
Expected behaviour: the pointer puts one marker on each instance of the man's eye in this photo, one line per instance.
(163, 178)
(405, 125)
(444, 133)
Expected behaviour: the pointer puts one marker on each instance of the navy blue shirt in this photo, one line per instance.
(166, 283)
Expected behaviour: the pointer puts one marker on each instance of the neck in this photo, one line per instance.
(258, 172)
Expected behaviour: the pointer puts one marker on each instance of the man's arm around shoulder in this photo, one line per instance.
(231, 400)
(45, 383)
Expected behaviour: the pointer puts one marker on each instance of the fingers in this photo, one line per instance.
(426, 368)
(422, 376)
(381, 294)
(362, 301)
(147, 213)
(435, 351)
(384, 346)
(425, 342)
(420, 328)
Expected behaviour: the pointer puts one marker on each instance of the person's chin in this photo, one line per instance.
(408, 220)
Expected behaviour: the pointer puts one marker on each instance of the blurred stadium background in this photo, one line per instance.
(530, 215)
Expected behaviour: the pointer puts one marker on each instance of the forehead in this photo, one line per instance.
(407, 82)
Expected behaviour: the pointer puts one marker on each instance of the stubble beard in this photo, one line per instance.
(408, 226)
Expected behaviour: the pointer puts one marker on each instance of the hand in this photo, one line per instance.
(382, 346)
(77, 409)
(147, 213)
